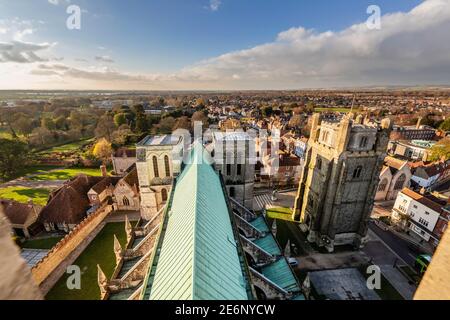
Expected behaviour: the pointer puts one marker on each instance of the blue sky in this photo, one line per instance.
(164, 37)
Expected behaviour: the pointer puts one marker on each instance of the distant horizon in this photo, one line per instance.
(370, 88)
(222, 45)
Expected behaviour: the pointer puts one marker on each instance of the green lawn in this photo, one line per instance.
(280, 214)
(47, 243)
(23, 194)
(101, 252)
(69, 147)
(66, 174)
(30, 170)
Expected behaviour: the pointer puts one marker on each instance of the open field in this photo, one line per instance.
(66, 174)
(46, 243)
(69, 147)
(30, 170)
(23, 194)
(101, 252)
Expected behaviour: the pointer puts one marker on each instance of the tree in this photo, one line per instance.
(267, 111)
(105, 127)
(61, 123)
(24, 125)
(445, 126)
(121, 135)
(199, 116)
(310, 107)
(120, 119)
(440, 150)
(166, 125)
(141, 124)
(13, 156)
(102, 150)
(41, 137)
(49, 124)
(295, 121)
(182, 123)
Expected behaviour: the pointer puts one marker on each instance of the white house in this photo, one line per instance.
(432, 175)
(417, 212)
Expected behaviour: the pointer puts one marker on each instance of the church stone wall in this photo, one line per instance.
(50, 269)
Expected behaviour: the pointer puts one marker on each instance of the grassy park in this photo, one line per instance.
(101, 252)
(45, 244)
(23, 194)
(69, 147)
(66, 174)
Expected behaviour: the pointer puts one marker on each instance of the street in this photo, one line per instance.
(401, 247)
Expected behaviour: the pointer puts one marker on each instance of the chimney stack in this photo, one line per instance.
(419, 121)
(104, 171)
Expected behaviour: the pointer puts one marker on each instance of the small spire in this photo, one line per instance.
(117, 250)
(102, 282)
(128, 229)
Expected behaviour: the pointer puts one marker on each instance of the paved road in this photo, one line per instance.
(47, 184)
(401, 247)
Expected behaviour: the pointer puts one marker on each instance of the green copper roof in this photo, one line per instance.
(280, 273)
(197, 257)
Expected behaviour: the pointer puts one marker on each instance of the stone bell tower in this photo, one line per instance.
(157, 165)
(343, 161)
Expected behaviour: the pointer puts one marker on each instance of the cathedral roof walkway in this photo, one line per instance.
(196, 257)
(276, 271)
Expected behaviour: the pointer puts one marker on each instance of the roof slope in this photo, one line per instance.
(198, 258)
(69, 203)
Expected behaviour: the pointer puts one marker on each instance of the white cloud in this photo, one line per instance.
(57, 2)
(22, 52)
(214, 5)
(411, 48)
(106, 59)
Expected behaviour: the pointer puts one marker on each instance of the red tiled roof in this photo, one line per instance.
(125, 152)
(69, 203)
(18, 213)
(427, 200)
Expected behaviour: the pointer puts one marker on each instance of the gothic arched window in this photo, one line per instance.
(155, 167)
(164, 195)
(125, 201)
(167, 165)
(399, 184)
(383, 185)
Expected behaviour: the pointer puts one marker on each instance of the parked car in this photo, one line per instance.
(293, 262)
